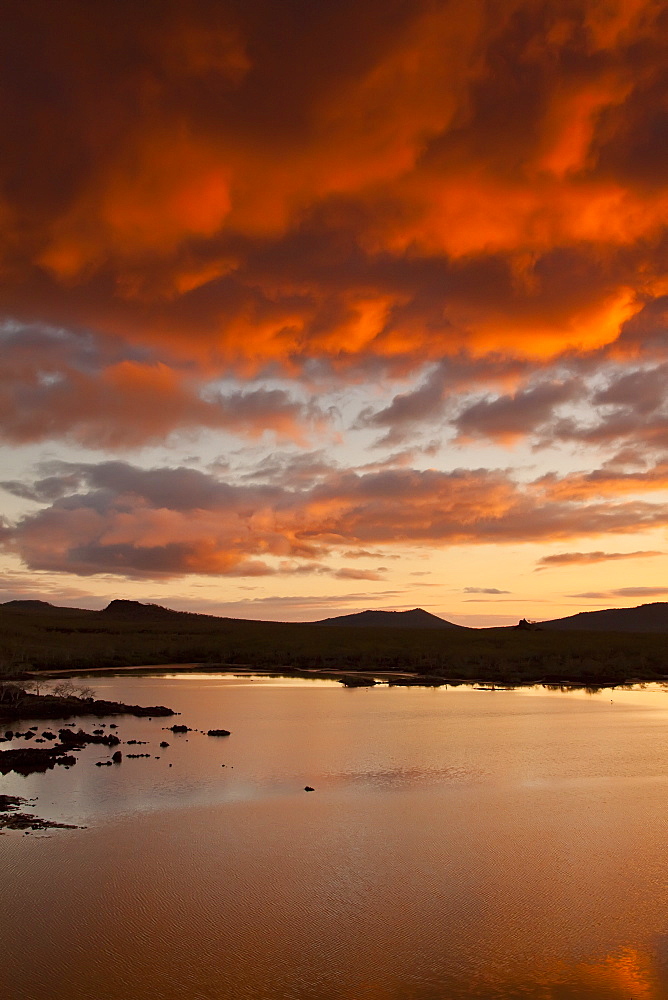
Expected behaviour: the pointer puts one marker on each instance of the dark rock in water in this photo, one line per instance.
(9, 735)
(29, 736)
(218, 732)
(112, 725)
(307, 788)
(135, 755)
(102, 763)
(179, 729)
(48, 735)
(164, 744)
(31, 760)
(8, 802)
(81, 739)
(131, 743)
(98, 732)
(11, 819)
(117, 757)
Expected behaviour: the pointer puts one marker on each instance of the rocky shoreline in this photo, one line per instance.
(17, 703)
(12, 819)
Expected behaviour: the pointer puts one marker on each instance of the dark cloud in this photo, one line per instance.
(507, 418)
(624, 592)
(484, 590)
(359, 574)
(585, 558)
(640, 591)
(592, 594)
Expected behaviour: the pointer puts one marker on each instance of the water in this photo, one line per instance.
(459, 844)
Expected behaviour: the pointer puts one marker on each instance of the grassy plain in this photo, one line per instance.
(68, 639)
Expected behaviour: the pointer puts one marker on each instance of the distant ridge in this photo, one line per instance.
(645, 618)
(41, 607)
(135, 609)
(417, 618)
(28, 606)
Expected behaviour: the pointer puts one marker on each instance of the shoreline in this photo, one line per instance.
(358, 678)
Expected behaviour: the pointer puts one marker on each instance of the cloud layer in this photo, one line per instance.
(420, 247)
(390, 180)
(117, 518)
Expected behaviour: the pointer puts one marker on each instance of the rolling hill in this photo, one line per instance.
(645, 618)
(39, 636)
(417, 618)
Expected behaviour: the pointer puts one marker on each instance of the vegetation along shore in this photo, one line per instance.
(37, 637)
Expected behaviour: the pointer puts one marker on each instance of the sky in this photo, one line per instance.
(312, 307)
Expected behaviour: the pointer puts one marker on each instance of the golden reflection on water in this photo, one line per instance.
(460, 845)
(626, 975)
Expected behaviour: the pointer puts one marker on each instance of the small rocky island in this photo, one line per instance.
(16, 702)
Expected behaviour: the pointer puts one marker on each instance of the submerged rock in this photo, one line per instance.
(81, 738)
(218, 732)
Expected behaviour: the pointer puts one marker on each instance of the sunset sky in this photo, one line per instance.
(312, 306)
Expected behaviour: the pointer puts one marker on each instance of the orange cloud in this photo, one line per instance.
(586, 558)
(602, 483)
(457, 176)
(58, 387)
(117, 518)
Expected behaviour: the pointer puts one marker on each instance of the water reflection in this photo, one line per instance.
(460, 845)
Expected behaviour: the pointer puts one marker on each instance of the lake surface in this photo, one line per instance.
(459, 844)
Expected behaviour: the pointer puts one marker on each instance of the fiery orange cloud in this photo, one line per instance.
(419, 231)
(459, 175)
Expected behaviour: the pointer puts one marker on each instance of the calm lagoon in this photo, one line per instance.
(459, 844)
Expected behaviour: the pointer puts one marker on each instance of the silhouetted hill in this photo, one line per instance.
(40, 607)
(28, 606)
(129, 633)
(135, 609)
(645, 618)
(417, 618)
